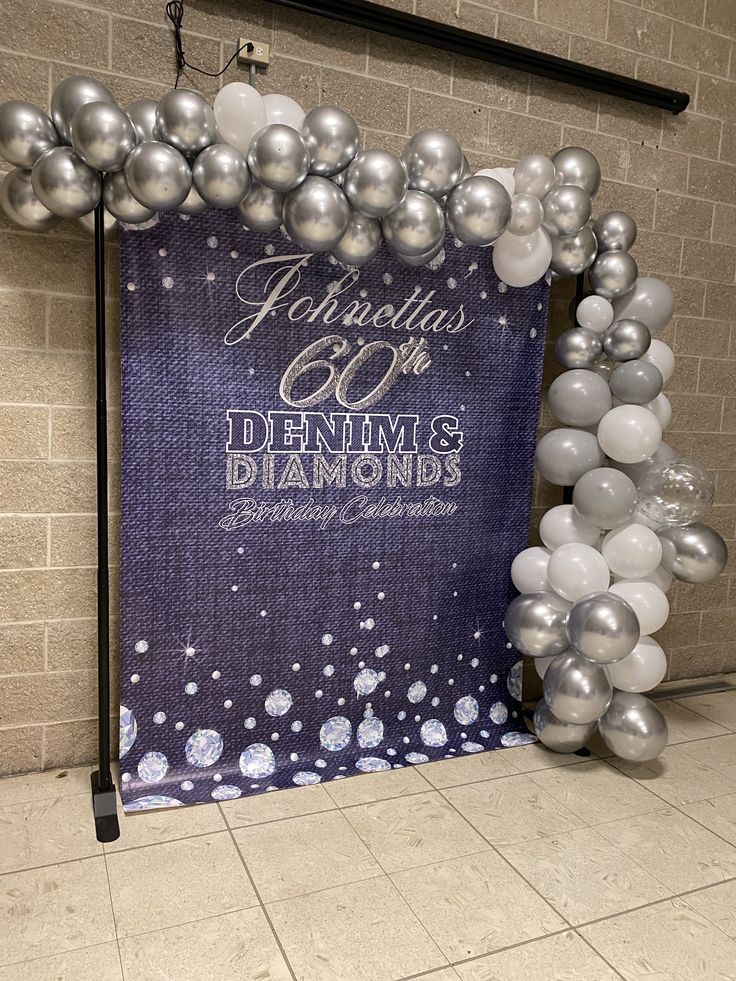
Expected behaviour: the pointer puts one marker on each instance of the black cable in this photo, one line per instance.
(175, 13)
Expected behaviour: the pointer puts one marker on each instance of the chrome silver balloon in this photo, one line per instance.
(221, 176)
(102, 135)
(416, 226)
(21, 204)
(361, 241)
(193, 203)
(615, 231)
(559, 736)
(633, 727)
(626, 340)
(578, 347)
(566, 209)
(526, 214)
(332, 139)
(25, 133)
(478, 210)
(694, 552)
(535, 623)
(573, 254)
(575, 689)
(577, 166)
(186, 121)
(158, 176)
(420, 260)
(434, 162)
(64, 183)
(604, 496)
(613, 274)
(535, 175)
(603, 628)
(674, 492)
(376, 182)
(69, 95)
(636, 382)
(261, 209)
(142, 114)
(278, 157)
(564, 455)
(121, 203)
(316, 214)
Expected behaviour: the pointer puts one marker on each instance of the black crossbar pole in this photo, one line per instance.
(448, 37)
(104, 802)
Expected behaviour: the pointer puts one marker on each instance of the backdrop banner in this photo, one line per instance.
(326, 475)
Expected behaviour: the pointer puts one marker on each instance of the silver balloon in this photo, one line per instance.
(564, 455)
(316, 214)
(626, 340)
(651, 301)
(434, 162)
(69, 95)
(110, 227)
(102, 135)
(633, 727)
(332, 139)
(603, 628)
(578, 347)
(186, 121)
(193, 203)
(615, 231)
(158, 176)
(261, 209)
(575, 689)
(613, 274)
(573, 254)
(478, 210)
(566, 209)
(25, 133)
(221, 176)
(636, 382)
(278, 157)
(416, 226)
(675, 492)
(467, 169)
(121, 203)
(21, 204)
(142, 114)
(64, 183)
(535, 175)
(579, 398)
(376, 183)
(694, 552)
(526, 214)
(604, 496)
(419, 260)
(535, 624)
(578, 167)
(361, 240)
(559, 736)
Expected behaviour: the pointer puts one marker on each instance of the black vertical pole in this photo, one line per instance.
(579, 294)
(103, 790)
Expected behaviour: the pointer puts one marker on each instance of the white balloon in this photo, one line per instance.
(660, 355)
(520, 260)
(629, 433)
(641, 670)
(541, 664)
(647, 600)
(632, 551)
(660, 577)
(529, 570)
(575, 570)
(661, 409)
(635, 471)
(595, 313)
(239, 114)
(504, 176)
(637, 518)
(562, 525)
(281, 109)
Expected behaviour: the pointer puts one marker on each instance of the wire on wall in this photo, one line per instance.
(175, 13)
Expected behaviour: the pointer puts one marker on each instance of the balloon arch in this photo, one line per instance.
(635, 510)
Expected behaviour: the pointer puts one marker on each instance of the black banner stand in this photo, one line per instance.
(104, 800)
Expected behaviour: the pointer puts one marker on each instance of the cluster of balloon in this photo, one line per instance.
(594, 594)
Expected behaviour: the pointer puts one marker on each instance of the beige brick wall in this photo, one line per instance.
(675, 174)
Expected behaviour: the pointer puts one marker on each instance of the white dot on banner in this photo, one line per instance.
(131, 287)
(215, 675)
(255, 680)
(263, 613)
(141, 646)
(381, 596)
(493, 679)
(319, 693)
(274, 736)
(159, 718)
(326, 639)
(241, 550)
(134, 679)
(357, 606)
(217, 777)
(167, 282)
(294, 757)
(234, 254)
(212, 241)
(125, 777)
(191, 688)
(162, 253)
(296, 666)
(210, 277)
(341, 701)
(179, 726)
(234, 589)
(353, 651)
(228, 703)
(376, 565)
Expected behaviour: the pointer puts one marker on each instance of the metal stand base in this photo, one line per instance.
(104, 806)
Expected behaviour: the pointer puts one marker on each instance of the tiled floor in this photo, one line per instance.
(511, 865)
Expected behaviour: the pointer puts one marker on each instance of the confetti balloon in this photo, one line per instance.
(578, 347)
(535, 624)
(332, 139)
(121, 203)
(434, 162)
(520, 260)
(221, 176)
(564, 455)
(633, 728)
(21, 204)
(158, 176)
(278, 158)
(142, 114)
(361, 240)
(615, 232)
(25, 133)
(629, 433)
(693, 553)
(675, 492)
(577, 166)
(579, 398)
(416, 226)
(613, 274)
(69, 95)
(604, 496)
(575, 689)
(559, 736)
(479, 210)
(186, 121)
(261, 208)
(566, 209)
(376, 183)
(316, 214)
(534, 175)
(626, 340)
(103, 135)
(64, 183)
(650, 301)
(636, 382)
(603, 627)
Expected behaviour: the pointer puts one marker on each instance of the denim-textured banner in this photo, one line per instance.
(326, 474)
